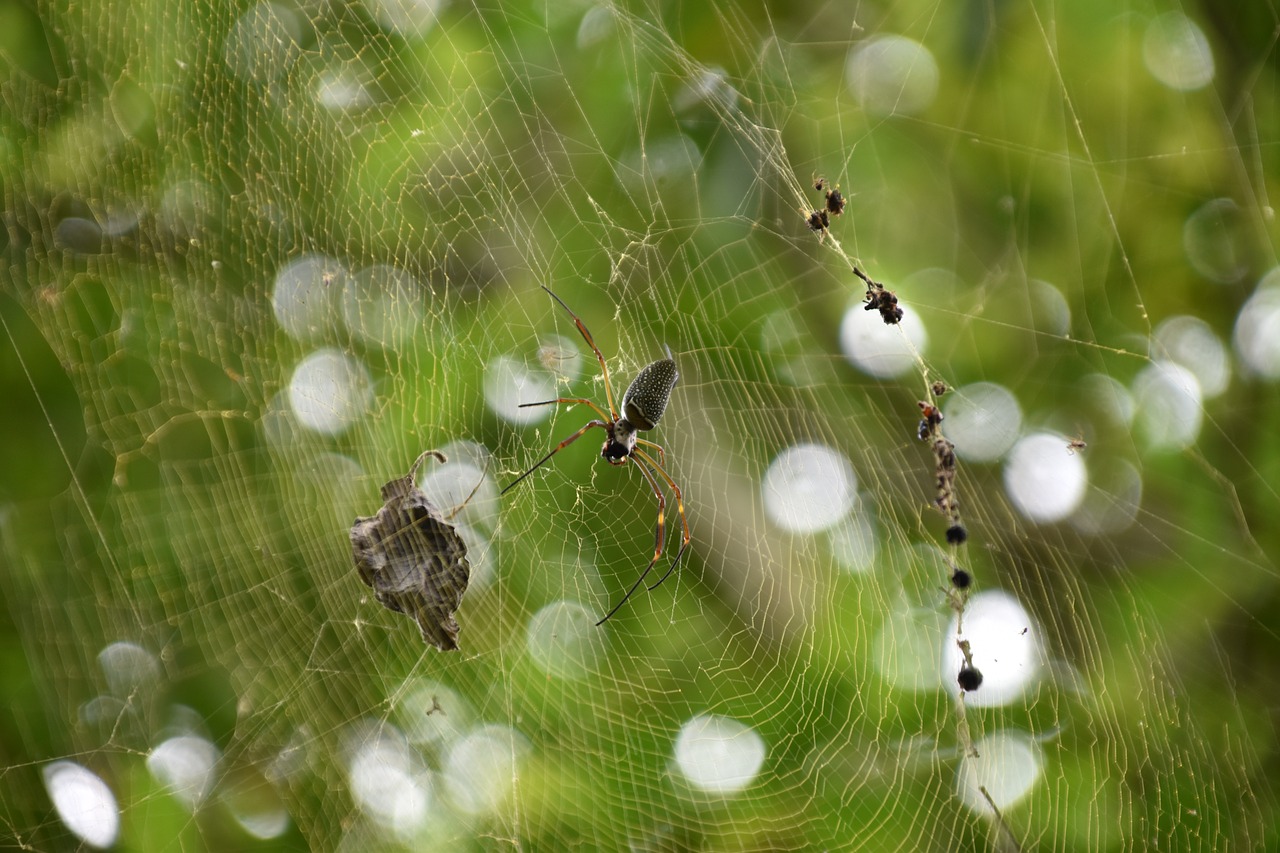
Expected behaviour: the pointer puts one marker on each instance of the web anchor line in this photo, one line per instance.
(880, 299)
(969, 678)
(944, 458)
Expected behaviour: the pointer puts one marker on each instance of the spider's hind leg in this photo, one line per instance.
(684, 521)
(659, 534)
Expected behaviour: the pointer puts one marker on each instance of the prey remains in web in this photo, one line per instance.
(820, 219)
(642, 406)
(413, 558)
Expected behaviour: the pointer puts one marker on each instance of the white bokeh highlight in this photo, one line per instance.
(1003, 644)
(1049, 308)
(1112, 501)
(384, 306)
(464, 492)
(1177, 53)
(461, 487)
(389, 782)
(508, 383)
(1168, 405)
(708, 86)
(906, 650)
(853, 541)
(982, 420)
(265, 43)
(659, 163)
(598, 25)
(329, 391)
(255, 805)
(409, 19)
(560, 357)
(719, 755)
(341, 90)
(1110, 397)
(128, 668)
(1257, 334)
(1044, 478)
(186, 765)
(432, 714)
(892, 75)
(1008, 765)
(480, 769)
(807, 488)
(84, 803)
(1215, 239)
(188, 207)
(305, 296)
(878, 349)
(1192, 343)
(564, 641)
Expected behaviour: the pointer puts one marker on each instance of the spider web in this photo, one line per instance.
(261, 256)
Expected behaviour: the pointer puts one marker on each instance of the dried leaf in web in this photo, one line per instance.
(413, 558)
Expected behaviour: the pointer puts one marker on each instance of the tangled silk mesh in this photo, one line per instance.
(261, 256)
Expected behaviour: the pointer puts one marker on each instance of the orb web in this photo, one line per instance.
(260, 257)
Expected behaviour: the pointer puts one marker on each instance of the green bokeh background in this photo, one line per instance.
(142, 499)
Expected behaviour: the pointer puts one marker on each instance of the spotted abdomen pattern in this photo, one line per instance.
(647, 395)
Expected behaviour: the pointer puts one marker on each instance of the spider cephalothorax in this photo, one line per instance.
(642, 407)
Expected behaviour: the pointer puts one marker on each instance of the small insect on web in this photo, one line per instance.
(835, 200)
(413, 558)
(642, 406)
(880, 299)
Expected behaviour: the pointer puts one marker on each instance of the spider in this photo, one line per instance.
(880, 299)
(642, 406)
(835, 201)
(818, 221)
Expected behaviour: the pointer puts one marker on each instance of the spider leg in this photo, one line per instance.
(582, 327)
(684, 522)
(585, 402)
(662, 454)
(658, 535)
(561, 446)
(474, 489)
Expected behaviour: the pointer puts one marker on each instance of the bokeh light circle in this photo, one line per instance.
(564, 641)
(982, 420)
(1257, 333)
(84, 802)
(1045, 480)
(719, 755)
(1004, 644)
(808, 487)
(1007, 765)
(892, 75)
(329, 391)
(1177, 53)
(1167, 400)
(881, 350)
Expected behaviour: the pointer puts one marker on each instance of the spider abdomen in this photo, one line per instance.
(647, 395)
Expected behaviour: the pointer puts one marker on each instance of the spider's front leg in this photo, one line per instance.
(561, 446)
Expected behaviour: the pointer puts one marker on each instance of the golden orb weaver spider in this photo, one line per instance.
(642, 406)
